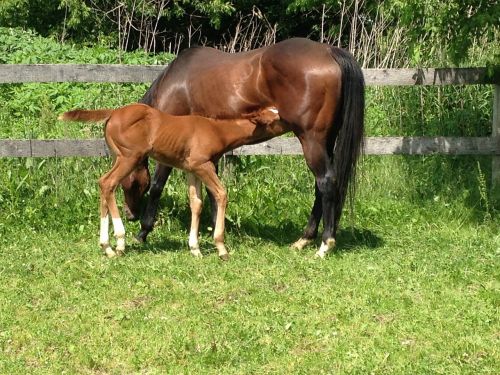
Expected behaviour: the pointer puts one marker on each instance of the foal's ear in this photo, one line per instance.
(264, 116)
(268, 115)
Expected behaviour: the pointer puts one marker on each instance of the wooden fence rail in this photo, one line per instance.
(276, 146)
(26, 73)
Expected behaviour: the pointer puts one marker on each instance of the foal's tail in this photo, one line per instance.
(83, 115)
(350, 127)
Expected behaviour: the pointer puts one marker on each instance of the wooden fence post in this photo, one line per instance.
(495, 161)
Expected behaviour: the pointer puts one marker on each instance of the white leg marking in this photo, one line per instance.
(119, 230)
(195, 202)
(194, 246)
(301, 243)
(118, 227)
(325, 248)
(104, 235)
(104, 238)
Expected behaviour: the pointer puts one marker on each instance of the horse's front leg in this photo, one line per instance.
(196, 204)
(211, 198)
(148, 218)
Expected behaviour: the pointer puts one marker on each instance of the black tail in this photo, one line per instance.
(349, 135)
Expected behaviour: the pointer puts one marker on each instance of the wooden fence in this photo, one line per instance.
(278, 146)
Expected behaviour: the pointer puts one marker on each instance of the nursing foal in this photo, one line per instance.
(191, 143)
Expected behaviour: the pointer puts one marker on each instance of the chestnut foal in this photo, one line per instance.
(191, 143)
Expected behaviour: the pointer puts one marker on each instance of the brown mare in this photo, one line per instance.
(318, 90)
(191, 143)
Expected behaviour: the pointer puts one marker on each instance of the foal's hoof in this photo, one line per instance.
(224, 257)
(196, 253)
(109, 252)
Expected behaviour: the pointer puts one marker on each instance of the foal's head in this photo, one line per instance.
(134, 187)
(264, 117)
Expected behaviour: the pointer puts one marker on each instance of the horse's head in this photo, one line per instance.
(134, 187)
(265, 117)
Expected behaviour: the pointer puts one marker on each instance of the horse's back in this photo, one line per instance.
(292, 75)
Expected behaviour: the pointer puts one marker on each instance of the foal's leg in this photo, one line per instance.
(211, 198)
(122, 167)
(206, 173)
(148, 218)
(104, 230)
(196, 204)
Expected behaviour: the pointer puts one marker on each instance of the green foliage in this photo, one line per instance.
(435, 31)
(26, 47)
(214, 9)
(30, 110)
(446, 29)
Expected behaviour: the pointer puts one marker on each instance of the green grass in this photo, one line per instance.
(413, 286)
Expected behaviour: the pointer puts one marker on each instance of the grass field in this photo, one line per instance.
(411, 288)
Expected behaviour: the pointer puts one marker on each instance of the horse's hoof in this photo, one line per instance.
(141, 236)
(301, 243)
(319, 255)
(325, 248)
(224, 257)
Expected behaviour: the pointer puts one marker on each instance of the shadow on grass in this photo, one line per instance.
(286, 233)
(158, 246)
(280, 233)
(283, 234)
(353, 239)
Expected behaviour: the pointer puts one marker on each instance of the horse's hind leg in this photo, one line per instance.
(311, 231)
(148, 218)
(319, 162)
(196, 204)
(327, 186)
